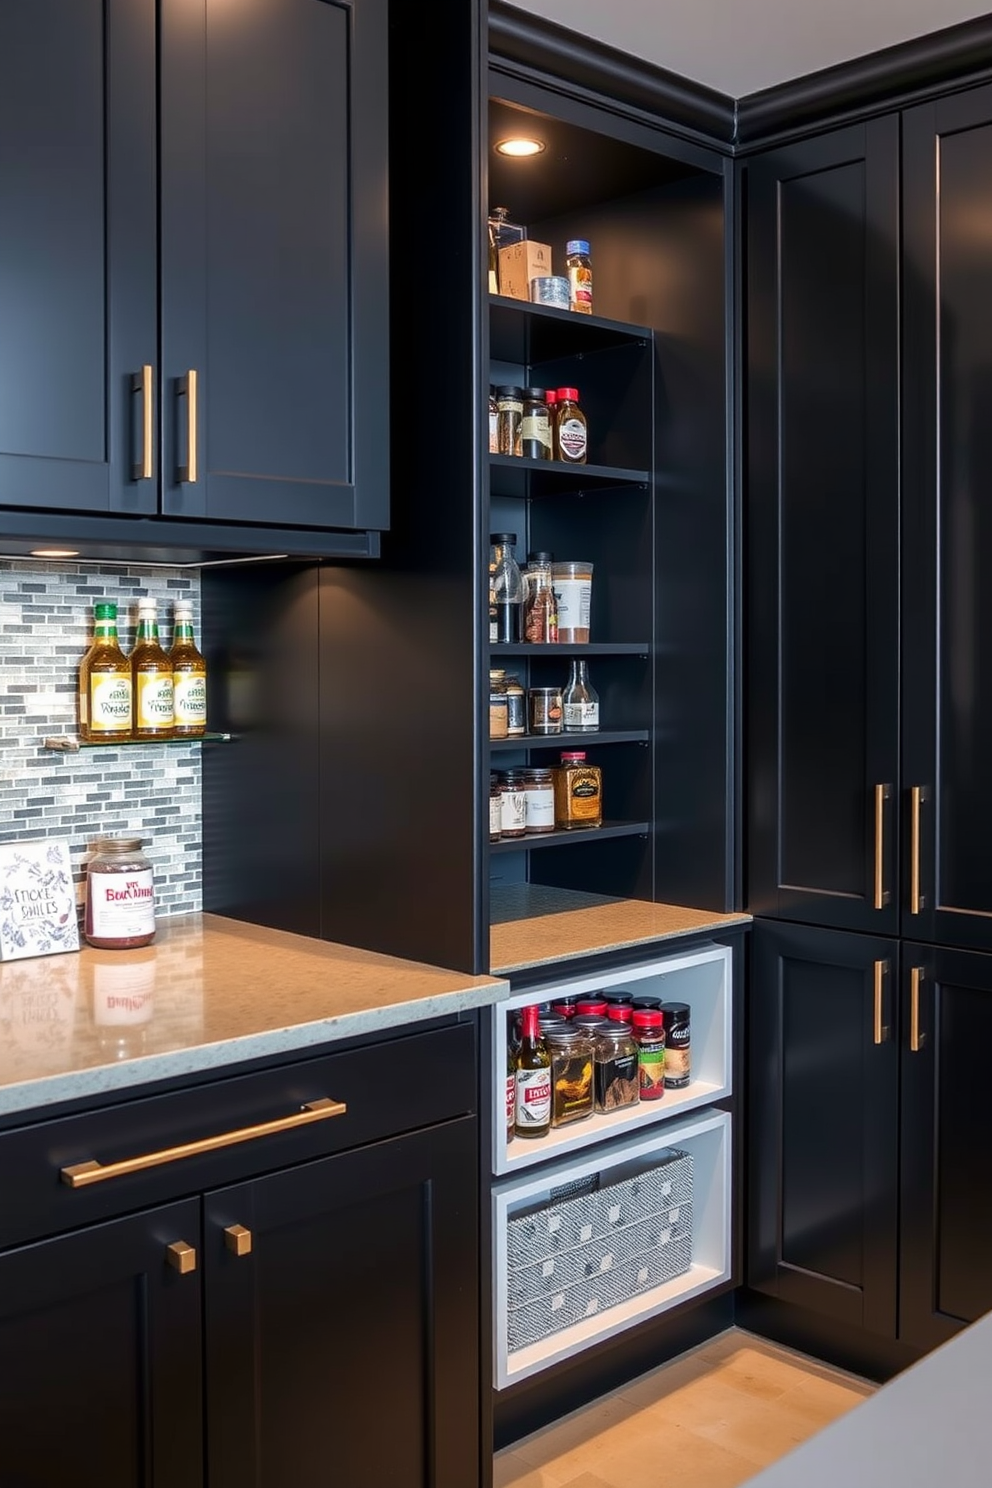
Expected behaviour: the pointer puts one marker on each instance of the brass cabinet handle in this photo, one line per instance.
(141, 383)
(181, 1257)
(237, 1239)
(187, 388)
(916, 798)
(80, 1175)
(880, 1032)
(882, 793)
(916, 1038)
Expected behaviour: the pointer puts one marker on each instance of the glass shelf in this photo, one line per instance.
(70, 744)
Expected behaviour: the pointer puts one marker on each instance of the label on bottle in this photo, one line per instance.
(572, 439)
(110, 702)
(511, 1103)
(651, 1072)
(540, 807)
(581, 715)
(121, 905)
(513, 811)
(495, 815)
(580, 288)
(574, 605)
(535, 427)
(533, 1097)
(190, 698)
(154, 704)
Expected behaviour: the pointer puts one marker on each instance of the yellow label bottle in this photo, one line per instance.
(105, 683)
(151, 672)
(189, 677)
(578, 792)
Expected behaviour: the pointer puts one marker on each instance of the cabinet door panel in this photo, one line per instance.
(348, 1337)
(100, 1358)
(948, 469)
(823, 519)
(274, 268)
(823, 1124)
(946, 1215)
(77, 251)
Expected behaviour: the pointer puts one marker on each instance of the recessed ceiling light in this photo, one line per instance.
(54, 552)
(519, 146)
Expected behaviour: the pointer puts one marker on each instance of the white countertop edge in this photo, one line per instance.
(508, 967)
(142, 1069)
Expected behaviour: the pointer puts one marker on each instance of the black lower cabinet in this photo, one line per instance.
(823, 1125)
(946, 1164)
(100, 1357)
(343, 1346)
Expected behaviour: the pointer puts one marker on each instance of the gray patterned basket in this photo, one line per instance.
(605, 1253)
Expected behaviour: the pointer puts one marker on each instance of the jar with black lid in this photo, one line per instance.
(509, 414)
(678, 1057)
(535, 425)
(513, 813)
(516, 707)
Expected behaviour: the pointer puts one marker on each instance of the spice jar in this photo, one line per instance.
(616, 1073)
(678, 1057)
(513, 804)
(516, 708)
(649, 1031)
(544, 710)
(535, 426)
(499, 707)
(578, 792)
(573, 590)
(572, 429)
(509, 414)
(493, 421)
(592, 1005)
(120, 896)
(540, 812)
(571, 1051)
(578, 266)
(495, 809)
(564, 1006)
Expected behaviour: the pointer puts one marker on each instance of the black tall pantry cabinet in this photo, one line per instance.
(869, 721)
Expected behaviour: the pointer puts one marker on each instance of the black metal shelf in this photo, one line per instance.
(521, 477)
(571, 740)
(520, 331)
(570, 648)
(573, 838)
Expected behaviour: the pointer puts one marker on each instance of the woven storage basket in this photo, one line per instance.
(596, 1257)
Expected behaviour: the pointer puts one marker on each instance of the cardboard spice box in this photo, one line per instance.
(519, 263)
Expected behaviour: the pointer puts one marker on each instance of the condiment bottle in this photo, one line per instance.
(649, 1031)
(105, 682)
(508, 588)
(578, 792)
(533, 1079)
(499, 713)
(513, 804)
(151, 674)
(580, 701)
(535, 426)
(540, 808)
(616, 1075)
(571, 1050)
(189, 676)
(495, 809)
(509, 413)
(120, 897)
(516, 708)
(541, 606)
(678, 1053)
(551, 402)
(573, 431)
(578, 266)
(493, 420)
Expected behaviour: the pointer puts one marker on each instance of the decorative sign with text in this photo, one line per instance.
(37, 899)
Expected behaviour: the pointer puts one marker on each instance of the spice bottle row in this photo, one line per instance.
(538, 424)
(150, 694)
(545, 602)
(576, 1056)
(530, 801)
(540, 712)
(523, 269)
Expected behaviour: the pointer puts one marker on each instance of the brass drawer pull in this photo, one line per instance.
(880, 1031)
(181, 1257)
(238, 1240)
(141, 383)
(916, 1038)
(79, 1175)
(187, 388)
(917, 796)
(881, 897)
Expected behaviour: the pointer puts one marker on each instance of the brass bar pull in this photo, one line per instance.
(141, 383)
(916, 1038)
(880, 1032)
(915, 805)
(187, 388)
(181, 1257)
(238, 1240)
(882, 793)
(80, 1175)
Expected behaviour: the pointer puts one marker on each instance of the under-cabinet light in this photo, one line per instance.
(54, 552)
(519, 146)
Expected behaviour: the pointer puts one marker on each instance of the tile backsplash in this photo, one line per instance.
(149, 790)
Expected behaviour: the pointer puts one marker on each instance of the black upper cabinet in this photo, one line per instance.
(947, 469)
(823, 510)
(195, 296)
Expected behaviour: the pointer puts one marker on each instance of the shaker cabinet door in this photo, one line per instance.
(100, 1357)
(274, 262)
(343, 1327)
(823, 522)
(78, 308)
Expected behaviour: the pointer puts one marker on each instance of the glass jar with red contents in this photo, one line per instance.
(120, 896)
(649, 1031)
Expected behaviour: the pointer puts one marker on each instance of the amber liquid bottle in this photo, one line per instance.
(105, 683)
(151, 672)
(189, 677)
(533, 1079)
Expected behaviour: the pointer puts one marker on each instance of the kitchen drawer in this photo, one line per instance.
(395, 1086)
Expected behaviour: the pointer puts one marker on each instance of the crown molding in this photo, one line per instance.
(524, 40)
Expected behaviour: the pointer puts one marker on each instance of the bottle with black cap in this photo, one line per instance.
(507, 588)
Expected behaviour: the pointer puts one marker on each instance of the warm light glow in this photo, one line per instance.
(519, 147)
(54, 552)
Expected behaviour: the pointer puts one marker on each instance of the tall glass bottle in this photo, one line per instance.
(507, 587)
(105, 683)
(541, 606)
(189, 677)
(151, 674)
(533, 1078)
(580, 701)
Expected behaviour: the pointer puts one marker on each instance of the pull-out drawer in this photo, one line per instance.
(55, 1175)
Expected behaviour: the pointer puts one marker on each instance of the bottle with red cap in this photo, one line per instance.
(649, 1032)
(571, 426)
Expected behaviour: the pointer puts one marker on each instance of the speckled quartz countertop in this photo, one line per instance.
(208, 992)
(537, 926)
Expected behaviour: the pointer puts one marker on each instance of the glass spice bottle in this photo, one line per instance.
(509, 414)
(541, 606)
(507, 586)
(532, 1069)
(540, 805)
(571, 1050)
(513, 804)
(105, 683)
(580, 701)
(649, 1030)
(499, 713)
(616, 1075)
(535, 427)
(578, 267)
(578, 792)
(573, 430)
(516, 708)
(495, 809)
(493, 422)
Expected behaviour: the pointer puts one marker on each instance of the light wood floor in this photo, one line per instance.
(709, 1419)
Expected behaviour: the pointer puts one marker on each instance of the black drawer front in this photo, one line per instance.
(391, 1087)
